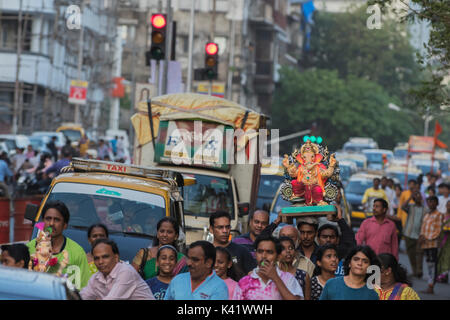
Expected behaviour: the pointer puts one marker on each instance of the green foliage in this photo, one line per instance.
(433, 92)
(341, 108)
(343, 42)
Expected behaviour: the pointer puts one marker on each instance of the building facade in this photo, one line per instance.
(39, 46)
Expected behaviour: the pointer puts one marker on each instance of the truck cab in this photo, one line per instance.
(129, 200)
(188, 133)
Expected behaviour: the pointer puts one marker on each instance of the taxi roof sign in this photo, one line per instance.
(84, 165)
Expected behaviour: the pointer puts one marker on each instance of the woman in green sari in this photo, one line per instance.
(167, 234)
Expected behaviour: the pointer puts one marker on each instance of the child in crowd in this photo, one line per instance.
(326, 266)
(166, 260)
(286, 263)
(15, 255)
(227, 271)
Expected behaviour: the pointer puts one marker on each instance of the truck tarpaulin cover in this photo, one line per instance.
(192, 106)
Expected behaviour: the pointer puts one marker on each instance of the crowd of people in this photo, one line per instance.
(44, 166)
(273, 261)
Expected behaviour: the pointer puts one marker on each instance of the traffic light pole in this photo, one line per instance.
(168, 47)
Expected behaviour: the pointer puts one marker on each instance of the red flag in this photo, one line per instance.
(437, 129)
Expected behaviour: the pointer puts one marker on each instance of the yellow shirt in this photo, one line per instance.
(372, 193)
(400, 213)
(407, 294)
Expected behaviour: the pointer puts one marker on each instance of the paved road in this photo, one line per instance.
(441, 290)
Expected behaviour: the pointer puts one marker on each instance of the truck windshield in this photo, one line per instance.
(119, 209)
(207, 195)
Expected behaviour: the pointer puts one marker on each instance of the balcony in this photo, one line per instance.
(261, 13)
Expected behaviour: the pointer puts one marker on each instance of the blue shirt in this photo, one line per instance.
(213, 288)
(157, 287)
(4, 171)
(57, 166)
(336, 289)
(340, 269)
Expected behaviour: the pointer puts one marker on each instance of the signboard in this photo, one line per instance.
(421, 144)
(143, 92)
(177, 144)
(78, 92)
(218, 89)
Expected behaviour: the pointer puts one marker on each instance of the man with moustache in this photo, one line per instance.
(201, 282)
(378, 231)
(115, 280)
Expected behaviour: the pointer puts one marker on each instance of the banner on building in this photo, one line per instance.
(78, 92)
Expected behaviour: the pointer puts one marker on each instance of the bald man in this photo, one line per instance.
(300, 261)
(257, 222)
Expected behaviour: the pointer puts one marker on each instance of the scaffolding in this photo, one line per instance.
(30, 106)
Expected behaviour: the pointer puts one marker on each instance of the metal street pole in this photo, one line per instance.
(17, 85)
(80, 58)
(231, 60)
(168, 46)
(191, 46)
(115, 106)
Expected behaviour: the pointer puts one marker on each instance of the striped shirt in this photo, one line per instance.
(431, 228)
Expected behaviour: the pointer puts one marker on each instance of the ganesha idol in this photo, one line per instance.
(309, 176)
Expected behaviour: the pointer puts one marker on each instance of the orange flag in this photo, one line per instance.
(438, 131)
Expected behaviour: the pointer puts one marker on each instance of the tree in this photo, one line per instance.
(343, 42)
(433, 92)
(341, 108)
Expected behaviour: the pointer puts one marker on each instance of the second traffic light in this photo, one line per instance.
(211, 60)
(158, 46)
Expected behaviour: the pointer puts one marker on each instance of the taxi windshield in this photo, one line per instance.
(72, 135)
(208, 195)
(119, 209)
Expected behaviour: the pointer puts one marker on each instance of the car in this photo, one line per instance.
(375, 158)
(354, 191)
(128, 199)
(72, 131)
(357, 144)
(401, 151)
(20, 140)
(39, 143)
(22, 284)
(347, 168)
(358, 158)
(398, 172)
(60, 138)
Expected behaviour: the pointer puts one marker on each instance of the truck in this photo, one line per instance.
(198, 136)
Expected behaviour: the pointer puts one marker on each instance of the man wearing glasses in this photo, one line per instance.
(220, 227)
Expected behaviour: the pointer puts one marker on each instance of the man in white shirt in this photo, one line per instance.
(444, 191)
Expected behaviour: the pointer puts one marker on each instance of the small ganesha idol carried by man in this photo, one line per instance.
(310, 176)
(42, 260)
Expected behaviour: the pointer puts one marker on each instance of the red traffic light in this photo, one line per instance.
(211, 48)
(158, 21)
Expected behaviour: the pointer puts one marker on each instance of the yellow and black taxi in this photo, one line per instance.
(129, 200)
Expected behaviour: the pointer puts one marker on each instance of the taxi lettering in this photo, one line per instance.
(117, 168)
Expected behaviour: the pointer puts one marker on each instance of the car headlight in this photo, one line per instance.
(361, 207)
